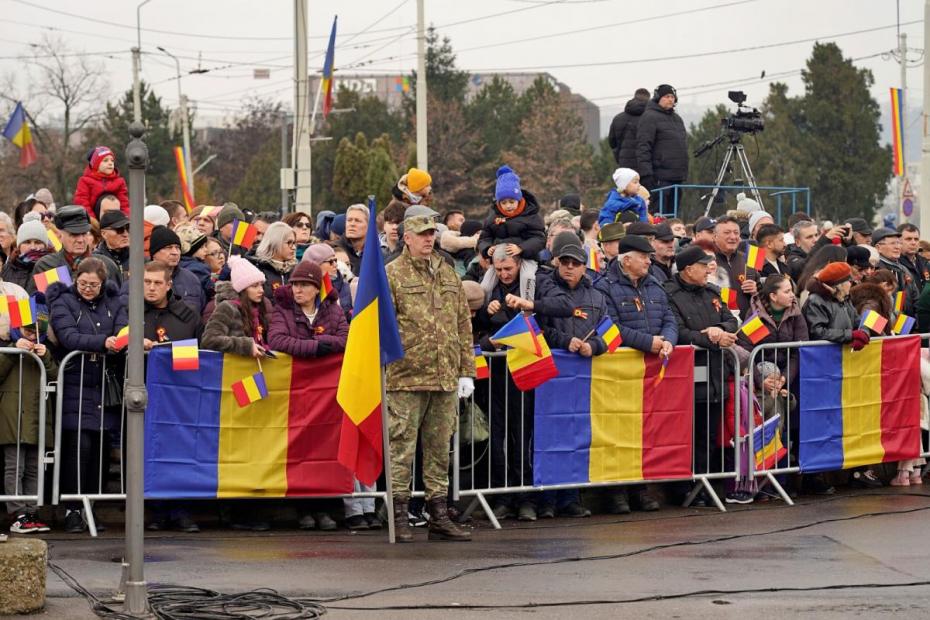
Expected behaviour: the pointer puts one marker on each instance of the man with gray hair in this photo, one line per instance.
(639, 307)
(353, 241)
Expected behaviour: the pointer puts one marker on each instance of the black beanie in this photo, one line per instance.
(665, 89)
(470, 227)
(162, 237)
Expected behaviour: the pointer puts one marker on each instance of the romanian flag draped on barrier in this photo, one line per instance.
(859, 407)
(17, 131)
(373, 342)
(602, 419)
(328, 71)
(897, 132)
(200, 443)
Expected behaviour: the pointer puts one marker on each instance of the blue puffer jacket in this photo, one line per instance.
(200, 269)
(616, 203)
(81, 325)
(640, 312)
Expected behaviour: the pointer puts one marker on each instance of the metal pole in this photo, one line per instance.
(902, 50)
(422, 162)
(283, 159)
(136, 62)
(135, 396)
(301, 110)
(185, 130)
(925, 145)
(386, 449)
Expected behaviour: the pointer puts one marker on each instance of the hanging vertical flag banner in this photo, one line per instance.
(181, 163)
(328, 71)
(897, 132)
(17, 131)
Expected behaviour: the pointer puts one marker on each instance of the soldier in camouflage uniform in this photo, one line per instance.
(437, 369)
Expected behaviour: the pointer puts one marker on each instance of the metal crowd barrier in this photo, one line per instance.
(17, 493)
(504, 464)
(785, 356)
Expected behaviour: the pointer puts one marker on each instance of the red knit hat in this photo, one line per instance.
(97, 155)
(834, 274)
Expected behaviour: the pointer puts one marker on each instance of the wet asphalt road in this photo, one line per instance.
(560, 568)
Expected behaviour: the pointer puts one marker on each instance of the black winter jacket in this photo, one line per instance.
(827, 318)
(526, 230)
(622, 134)
(661, 146)
(585, 307)
(176, 321)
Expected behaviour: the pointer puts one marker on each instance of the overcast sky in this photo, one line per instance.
(603, 49)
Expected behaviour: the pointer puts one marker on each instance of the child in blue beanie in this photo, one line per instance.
(625, 197)
(514, 220)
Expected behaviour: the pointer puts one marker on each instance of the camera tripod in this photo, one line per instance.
(734, 150)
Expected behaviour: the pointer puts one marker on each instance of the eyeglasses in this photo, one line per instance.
(331, 261)
(290, 243)
(47, 215)
(215, 254)
(120, 230)
(570, 262)
(301, 225)
(88, 286)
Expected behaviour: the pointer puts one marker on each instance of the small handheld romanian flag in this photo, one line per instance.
(903, 325)
(243, 234)
(755, 257)
(754, 329)
(54, 240)
(22, 312)
(481, 365)
(609, 333)
(873, 320)
(728, 295)
(899, 301)
(250, 390)
(326, 287)
(665, 360)
(59, 274)
(122, 338)
(594, 264)
(766, 443)
(520, 333)
(185, 355)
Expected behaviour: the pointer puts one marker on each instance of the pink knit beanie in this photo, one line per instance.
(243, 274)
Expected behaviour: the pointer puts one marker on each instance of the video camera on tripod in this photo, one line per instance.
(745, 120)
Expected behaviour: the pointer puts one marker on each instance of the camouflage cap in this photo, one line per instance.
(419, 224)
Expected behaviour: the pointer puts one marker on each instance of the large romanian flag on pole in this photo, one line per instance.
(859, 407)
(897, 132)
(604, 419)
(373, 342)
(17, 131)
(200, 443)
(328, 71)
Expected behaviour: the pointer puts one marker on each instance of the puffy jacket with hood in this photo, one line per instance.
(622, 134)
(92, 185)
(291, 332)
(81, 325)
(641, 311)
(616, 203)
(827, 318)
(526, 230)
(661, 146)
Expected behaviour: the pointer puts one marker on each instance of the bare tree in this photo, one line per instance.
(65, 93)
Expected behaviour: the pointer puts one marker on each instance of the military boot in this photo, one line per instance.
(402, 530)
(440, 526)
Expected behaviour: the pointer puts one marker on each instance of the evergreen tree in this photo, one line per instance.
(553, 156)
(260, 187)
(382, 173)
(350, 171)
(496, 113)
(847, 168)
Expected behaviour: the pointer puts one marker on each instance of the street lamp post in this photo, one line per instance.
(136, 61)
(184, 127)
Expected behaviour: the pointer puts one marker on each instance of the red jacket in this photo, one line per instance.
(92, 185)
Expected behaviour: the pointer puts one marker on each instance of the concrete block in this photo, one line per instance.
(22, 575)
